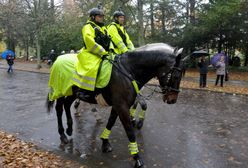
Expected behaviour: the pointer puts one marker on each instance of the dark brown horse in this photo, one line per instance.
(153, 60)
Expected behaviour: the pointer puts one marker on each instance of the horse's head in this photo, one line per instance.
(170, 80)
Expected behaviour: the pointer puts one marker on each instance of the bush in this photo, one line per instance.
(239, 69)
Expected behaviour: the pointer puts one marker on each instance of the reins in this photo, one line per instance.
(129, 76)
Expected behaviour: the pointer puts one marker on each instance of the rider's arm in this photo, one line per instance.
(116, 39)
(91, 45)
(130, 45)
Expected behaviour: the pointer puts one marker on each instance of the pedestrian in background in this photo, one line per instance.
(10, 61)
(203, 70)
(220, 71)
(51, 57)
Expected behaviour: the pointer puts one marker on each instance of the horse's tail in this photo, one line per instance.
(49, 104)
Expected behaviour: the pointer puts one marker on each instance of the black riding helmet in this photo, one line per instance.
(118, 13)
(96, 11)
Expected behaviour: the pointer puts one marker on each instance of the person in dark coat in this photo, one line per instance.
(203, 69)
(10, 61)
(51, 57)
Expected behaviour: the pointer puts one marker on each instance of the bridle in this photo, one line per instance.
(165, 89)
(168, 86)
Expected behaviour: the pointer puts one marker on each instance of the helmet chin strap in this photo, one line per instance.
(116, 21)
(97, 23)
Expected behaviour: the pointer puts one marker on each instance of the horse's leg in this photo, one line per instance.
(142, 113)
(133, 146)
(67, 105)
(59, 111)
(133, 113)
(106, 147)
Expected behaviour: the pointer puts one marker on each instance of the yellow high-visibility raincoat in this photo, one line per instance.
(120, 38)
(89, 57)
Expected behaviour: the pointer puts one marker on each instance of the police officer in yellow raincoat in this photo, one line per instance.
(97, 44)
(122, 44)
(119, 36)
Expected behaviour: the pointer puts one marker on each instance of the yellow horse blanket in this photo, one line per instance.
(61, 73)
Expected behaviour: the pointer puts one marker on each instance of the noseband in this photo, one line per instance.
(167, 88)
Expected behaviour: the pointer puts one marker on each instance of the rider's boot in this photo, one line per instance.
(84, 95)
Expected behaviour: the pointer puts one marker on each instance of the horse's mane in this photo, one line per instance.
(156, 53)
(157, 47)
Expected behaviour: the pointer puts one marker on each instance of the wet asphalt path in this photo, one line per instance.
(202, 130)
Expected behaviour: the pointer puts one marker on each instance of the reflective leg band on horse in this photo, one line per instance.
(133, 148)
(105, 134)
(135, 85)
(142, 114)
(132, 112)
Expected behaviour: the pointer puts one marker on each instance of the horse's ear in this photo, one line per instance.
(178, 53)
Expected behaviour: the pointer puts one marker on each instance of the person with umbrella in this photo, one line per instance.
(10, 61)
(203, 69)
(9, 55)
(203, 66)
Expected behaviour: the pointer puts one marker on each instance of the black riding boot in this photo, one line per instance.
(84, 95)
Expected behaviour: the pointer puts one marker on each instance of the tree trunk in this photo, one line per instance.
(37, 41)
(152, 19)
(220, 43)
(141, 40)
(10, 42)
(187, 12)
(192, 11)
(52, 10)
(27, 49)
(163, 20)
(246, 58)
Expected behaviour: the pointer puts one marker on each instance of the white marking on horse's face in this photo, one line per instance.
(156, 47)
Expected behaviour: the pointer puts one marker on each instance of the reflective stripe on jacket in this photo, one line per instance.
(89, 58)
(89, 35)
(120, 45)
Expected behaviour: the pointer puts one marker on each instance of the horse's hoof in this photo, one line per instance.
(140, 124)
(64, 139)
(69, 131)
(139, 163)
(106, 147)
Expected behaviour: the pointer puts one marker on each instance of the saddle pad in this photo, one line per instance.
(104, 73)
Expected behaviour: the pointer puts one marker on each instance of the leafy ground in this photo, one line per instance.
(228, 87)
(15, 153)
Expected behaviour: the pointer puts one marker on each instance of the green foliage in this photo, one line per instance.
(63, 36)
(215, 20)
(219, 23)
(239, 69)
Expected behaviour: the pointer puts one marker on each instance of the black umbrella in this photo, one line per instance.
(200, 53)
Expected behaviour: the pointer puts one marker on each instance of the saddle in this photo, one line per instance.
(103, 78)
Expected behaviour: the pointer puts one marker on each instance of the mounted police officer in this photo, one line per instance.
(122, 44)
(119, 36)
(97, 44)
